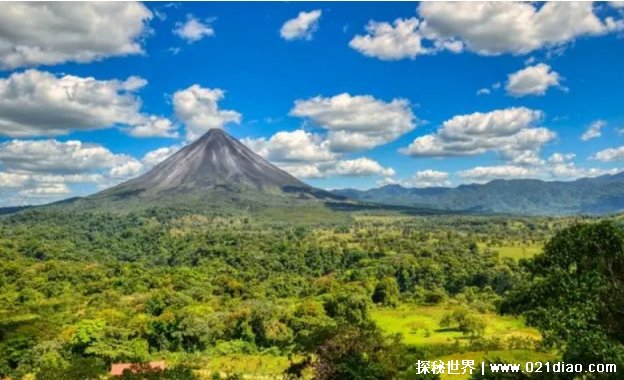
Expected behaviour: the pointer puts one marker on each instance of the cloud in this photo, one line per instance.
(155, 157)
(197, 107)
(594, 130)
(557, 167)
(493, 28)
(52, 156)
(307, 155)
(35, 171)
(357, 122)
(423, 179)
(295, 146)
(532, 80)
(38, 103)
(610, 154)
(569, 170)
(193, 30)
(304, 171)
(301, 27)
(386, 41)
(511, 132)
(487, 173)
(559, 158)
(128, 169)
(429, 178)
(485, 28)
(52, 33)
(46, 189)
(489, 90)
(154, 126)
(360, 167)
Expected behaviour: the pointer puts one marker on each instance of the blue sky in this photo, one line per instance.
(427, 95)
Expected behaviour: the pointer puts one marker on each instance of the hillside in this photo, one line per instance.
(598, 195)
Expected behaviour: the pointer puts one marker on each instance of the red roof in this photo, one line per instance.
(119, 368)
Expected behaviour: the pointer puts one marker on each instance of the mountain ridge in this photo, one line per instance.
(592, 195)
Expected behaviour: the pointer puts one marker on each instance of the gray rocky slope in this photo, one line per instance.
(214, 167)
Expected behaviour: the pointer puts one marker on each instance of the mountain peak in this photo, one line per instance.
(214, 132)
(215, 159)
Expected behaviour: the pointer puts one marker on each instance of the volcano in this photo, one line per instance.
(215, 159)
(214, 172)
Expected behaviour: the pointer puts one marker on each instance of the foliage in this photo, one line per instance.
(465, 321)
(574, 293)
(386, 292)
(145, 372)
(79, 291)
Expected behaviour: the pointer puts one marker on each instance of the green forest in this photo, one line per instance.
(360, 297)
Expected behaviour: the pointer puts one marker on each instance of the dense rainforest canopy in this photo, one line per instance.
(80, 291)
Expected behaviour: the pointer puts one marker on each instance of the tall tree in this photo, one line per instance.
(575, 293)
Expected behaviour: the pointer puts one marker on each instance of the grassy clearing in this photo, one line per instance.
(420, 325)
(515, 251)
(251, 366)
(509, 356)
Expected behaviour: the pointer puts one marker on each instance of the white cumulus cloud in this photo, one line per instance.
(425, 178)
(361, 167)
(38, 103)
(197, 107)
(557, 167)
(35, 171)
(594, 130)
(559, 158)
(358, 167)
(492, 28)
(512, 132)
(307, 155)
(302, 26)
(532, 80)
(41, 33)
(52, 156)
(357, 122)
(386, 41)
(485, 28)
(487, 173)
(158, 155)
(295, 146)
(193, 29)
(610, 154)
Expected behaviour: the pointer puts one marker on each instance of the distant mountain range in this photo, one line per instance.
(217, 173)
(599, 195)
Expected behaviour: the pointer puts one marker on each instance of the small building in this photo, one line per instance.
(117, 369)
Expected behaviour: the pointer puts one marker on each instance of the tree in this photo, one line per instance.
(465, 321)
(386, 292)
(361, 353)
(347, 307)
(145, 372)
(78, 368)
(575, 293)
